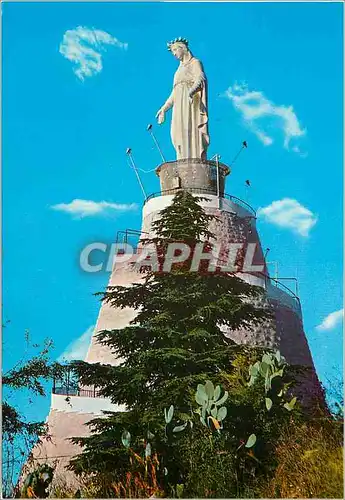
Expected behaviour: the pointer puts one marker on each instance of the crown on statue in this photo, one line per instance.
(177, 40)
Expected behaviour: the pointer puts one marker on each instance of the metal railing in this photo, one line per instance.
(291, 279)
(68, 391)
(123, 236)
(281, 286)
(65, 390)
(67, 384)
(240, 202)
(230, 197)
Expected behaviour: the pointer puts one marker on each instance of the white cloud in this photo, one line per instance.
(289, 213)
(262, 116)
(87, 208)
(331, 321)
(78, 348)
(84, 46)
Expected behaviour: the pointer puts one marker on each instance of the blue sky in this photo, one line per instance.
(275, 80)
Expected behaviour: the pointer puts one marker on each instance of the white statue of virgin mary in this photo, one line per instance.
(189, 124)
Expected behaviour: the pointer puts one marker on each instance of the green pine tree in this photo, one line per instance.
(174, 343)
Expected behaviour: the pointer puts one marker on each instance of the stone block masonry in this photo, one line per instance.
(236, 224)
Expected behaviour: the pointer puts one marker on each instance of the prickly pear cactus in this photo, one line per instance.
(210, 402)
(271, 365)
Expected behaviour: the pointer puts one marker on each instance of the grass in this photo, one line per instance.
(309, 463)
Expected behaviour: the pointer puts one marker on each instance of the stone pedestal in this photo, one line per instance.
(203, 176)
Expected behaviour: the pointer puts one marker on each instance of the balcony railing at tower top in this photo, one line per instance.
(201, 191)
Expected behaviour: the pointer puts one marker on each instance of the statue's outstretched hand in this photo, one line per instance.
(160, 116)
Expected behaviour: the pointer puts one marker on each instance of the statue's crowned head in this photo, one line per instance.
(178, 47)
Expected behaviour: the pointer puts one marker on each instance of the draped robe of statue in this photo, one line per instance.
(189, 124)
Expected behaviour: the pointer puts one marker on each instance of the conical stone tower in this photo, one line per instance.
(73, 406)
